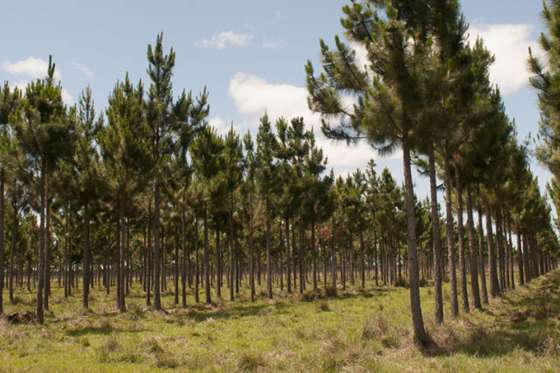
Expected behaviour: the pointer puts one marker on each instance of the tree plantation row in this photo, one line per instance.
(146, 193)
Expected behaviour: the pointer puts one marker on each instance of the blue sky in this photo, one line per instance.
(250, 54)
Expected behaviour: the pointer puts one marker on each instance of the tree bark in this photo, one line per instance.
(420, 335)
(438, 256)
(2, 184)
(473, 252)
(460, 233)
(450, 239)
(157, 247)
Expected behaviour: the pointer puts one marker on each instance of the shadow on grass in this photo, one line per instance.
(524, 320)
(101, 330)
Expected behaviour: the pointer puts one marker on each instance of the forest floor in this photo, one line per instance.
(356, 331)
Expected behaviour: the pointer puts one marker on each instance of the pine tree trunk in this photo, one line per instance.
(157, 247)
(231, 244)
(42, 241)
(149, 262)
(87, 258)
(520, 258)
(120, 258)
(206, 258)
(460, 233)
(482, 270)
(494, 288)
(252, 260)
(420, 335)
(2, 182)
(314, 253)
(473, 252)
(452, 252)
(11, 266)
(288, 255)
(362, 260)
(176, 271)
(47, 268)
(185, 254)
(438, 255)
(268, 249)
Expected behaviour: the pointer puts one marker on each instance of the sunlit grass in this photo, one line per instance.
(356, 331)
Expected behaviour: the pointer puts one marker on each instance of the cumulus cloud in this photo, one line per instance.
(31, 68)
(509, 43)
(225, 39)
(254, 96)
(220, 125)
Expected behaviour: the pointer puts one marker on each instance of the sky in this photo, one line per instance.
(249, 54)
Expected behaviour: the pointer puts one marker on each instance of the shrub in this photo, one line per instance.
(323, 306)
(376, 327)
(250, 361)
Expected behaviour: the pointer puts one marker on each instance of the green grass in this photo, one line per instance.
(358, 331)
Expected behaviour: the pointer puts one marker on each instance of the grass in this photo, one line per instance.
(352, 331)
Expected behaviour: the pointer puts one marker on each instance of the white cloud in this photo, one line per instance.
(86, 71)
(225, 39)
(31, 67)
(220, 125)
(67, 97)
(253, 96)
(22, 85)
(361, 55)
(509, 43)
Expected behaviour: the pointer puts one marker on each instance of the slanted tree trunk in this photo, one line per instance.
(420, 335)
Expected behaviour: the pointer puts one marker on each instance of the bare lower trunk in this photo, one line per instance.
(206, 259)
(460, 233)
(42, 242)
(494, 288)
(473, 252)
(420, 335)
(450, 239)
(482, 270)
(157, 248)
(86, 259)
(2, 182)
(438, 255)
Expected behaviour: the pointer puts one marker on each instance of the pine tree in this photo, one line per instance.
(9, 102)
(126, 161)
(46, 137)
(267, 185)
(206, 153)
(395, 36)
